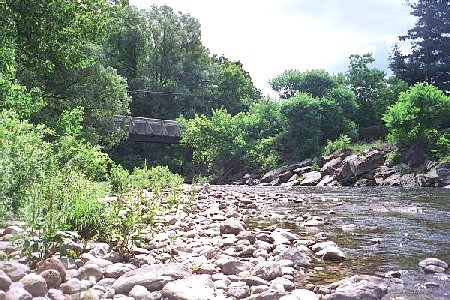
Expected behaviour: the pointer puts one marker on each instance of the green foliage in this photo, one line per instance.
(315, 82)
(24, 157)
(374, 93)
(420, 116)
(224, 143)
(428, 61)
(309, 122)
(341, 143)
(119, 179)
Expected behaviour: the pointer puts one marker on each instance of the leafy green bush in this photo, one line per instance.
(119, 179)
(309, 122)
(341, 143)
(421, 116)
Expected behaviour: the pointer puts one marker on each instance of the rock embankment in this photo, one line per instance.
(204, 251)
(372, 168)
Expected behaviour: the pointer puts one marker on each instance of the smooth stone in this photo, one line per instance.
(7, 247)
(91, 272)
(72, 286)
(18, 294)
(358, 287)
(53, 264)
(231, 226)
(433, 261)
(52, 278)
(55, 294)
(116, 270)
(270, 294)
(195, 287)
(268, 270)
(297, 255)
(139, 292)
(301, 294)
(14, 270)
(5, 281)
(84, 295)
(332, 254)
(153, 277)
(34, 284)
(238, 290)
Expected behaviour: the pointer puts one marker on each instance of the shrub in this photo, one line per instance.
(420, 116)
(341, 143)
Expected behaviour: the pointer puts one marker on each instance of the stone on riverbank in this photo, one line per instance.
(195, 287)
(356, 288)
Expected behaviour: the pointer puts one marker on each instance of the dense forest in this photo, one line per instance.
(68, 67)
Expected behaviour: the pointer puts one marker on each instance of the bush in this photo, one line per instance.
(421, 116)
(341, 143)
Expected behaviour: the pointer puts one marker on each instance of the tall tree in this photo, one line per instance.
(429, 60)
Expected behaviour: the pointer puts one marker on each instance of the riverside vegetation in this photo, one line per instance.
(68, 178)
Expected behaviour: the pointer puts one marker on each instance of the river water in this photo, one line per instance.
(385, 229)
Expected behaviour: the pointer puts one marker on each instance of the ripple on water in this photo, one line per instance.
(395, 229)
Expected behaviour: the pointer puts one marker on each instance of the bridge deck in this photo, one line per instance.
(150, 130)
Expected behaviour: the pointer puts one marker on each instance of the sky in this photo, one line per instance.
(271, 36)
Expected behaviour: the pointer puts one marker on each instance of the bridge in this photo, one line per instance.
(149, 130)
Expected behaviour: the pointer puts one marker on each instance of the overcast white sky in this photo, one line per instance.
(271, 36)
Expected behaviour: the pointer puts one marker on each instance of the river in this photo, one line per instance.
(380, 229)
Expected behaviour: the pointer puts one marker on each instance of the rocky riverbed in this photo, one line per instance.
(204, 251)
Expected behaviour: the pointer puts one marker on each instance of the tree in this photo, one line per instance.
(308, 123)
(314, 82)
(421, 116)
(233, 87)
(429, 60)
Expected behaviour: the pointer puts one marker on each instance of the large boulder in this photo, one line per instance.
(297, 255)
(311, 178)
(153, 277)
(196, 287)
(34, 284)
(443, 171)
(14, 270)
(273, 175)
(357, 287)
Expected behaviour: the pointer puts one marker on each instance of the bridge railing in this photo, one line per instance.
(148, 126)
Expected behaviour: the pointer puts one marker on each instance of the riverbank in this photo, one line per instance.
(373, 167)
(209, 249)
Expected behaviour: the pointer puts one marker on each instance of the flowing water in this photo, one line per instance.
(391, 229)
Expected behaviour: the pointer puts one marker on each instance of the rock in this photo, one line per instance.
(91, 272)
(34, 284)
(72, 286)
(433, 265)
(116, 270)
(296, 255)
(12, 229)
(286, 284)
(7, 247)
(429, 179)
(408, 180)
(153, 277)
(358, 287)
(85, 295)
(254, 280)
(231, 226)
(415, 155)
(54, 294)
(332, 167)
(52, 278)
(270, 294)
(301, 294)
(101, 262)
(443, 171)
(238, 290)
(2, 295)
(268, 270)
(139, 292)
(393, 180)
(196, 287)
(274, 175)
(233, 267)
(311, 178)
(15, 270)
(5, 281)
(18, 294)
(53, 264)
(332, 254)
